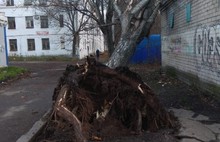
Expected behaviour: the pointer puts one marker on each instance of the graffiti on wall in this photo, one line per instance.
(175, 44)
(207, 47)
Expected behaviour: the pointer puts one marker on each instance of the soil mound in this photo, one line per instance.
(93, 102)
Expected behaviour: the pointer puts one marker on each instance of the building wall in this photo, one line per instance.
(193, 47)
(3, 61)
(54, 33)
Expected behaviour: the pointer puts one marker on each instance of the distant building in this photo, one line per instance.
(190, 32)
(32, 33)
(3, 51)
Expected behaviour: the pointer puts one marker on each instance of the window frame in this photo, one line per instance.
(61, 21)
(28, 2)
(188, 12)
(45, 41)
(171, 20)
(10, 3)
(11, 23)
(13, 42)
(29, 21)
(44, 22)
(31, 44)
(42, 2)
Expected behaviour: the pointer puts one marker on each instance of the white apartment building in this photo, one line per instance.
(32, 33)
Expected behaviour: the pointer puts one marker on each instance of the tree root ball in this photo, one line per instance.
(97, 102)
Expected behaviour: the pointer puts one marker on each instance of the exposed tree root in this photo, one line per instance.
(99, 102)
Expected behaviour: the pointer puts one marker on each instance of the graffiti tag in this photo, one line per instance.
(207, 47)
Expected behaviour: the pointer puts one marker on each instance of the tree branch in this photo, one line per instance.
(139, 6)
(117, 9)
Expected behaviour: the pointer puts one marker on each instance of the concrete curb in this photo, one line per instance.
(32, 133)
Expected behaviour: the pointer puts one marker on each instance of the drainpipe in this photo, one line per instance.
(6, 49)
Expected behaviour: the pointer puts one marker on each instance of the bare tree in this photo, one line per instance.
(101, 11)
(135, 18)
(63, 12)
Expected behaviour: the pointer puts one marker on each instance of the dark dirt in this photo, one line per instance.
(86, 93)
(174, 93)
(171, 92)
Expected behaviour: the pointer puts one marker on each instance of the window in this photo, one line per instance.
(62, 42)
(10, 3)
(43, 2)
(61, 21)
(45, 44)
(29, 22)
(13, 44)
(28, 2)
(171, 20)
(31, 44)
(11, 23)
(44, 21)
(188, 12)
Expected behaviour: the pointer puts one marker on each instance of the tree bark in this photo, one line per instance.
(75, 44)
(131, 33)
(122, 53)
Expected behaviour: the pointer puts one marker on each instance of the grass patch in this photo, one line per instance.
(42, 58)
(7, 73)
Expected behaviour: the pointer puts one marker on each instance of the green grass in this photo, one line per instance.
(10, 72)
(42, 58)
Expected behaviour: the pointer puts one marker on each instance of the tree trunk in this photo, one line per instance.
(109, 41)
(123, 52)
(130, 36)
(75, 44)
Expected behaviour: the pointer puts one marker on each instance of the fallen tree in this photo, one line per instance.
(97, 102)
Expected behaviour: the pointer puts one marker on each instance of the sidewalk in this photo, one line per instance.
(25, 101)
(197, 127)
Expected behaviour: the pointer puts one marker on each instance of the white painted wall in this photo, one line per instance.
(3, 61)
(54, 33)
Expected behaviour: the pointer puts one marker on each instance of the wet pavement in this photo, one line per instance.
(25, 101)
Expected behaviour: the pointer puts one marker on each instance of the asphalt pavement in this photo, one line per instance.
(25, 101)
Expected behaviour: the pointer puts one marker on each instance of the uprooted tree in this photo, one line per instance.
(135, 18)
(96, 102)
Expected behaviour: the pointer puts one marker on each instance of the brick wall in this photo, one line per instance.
(193, 47)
